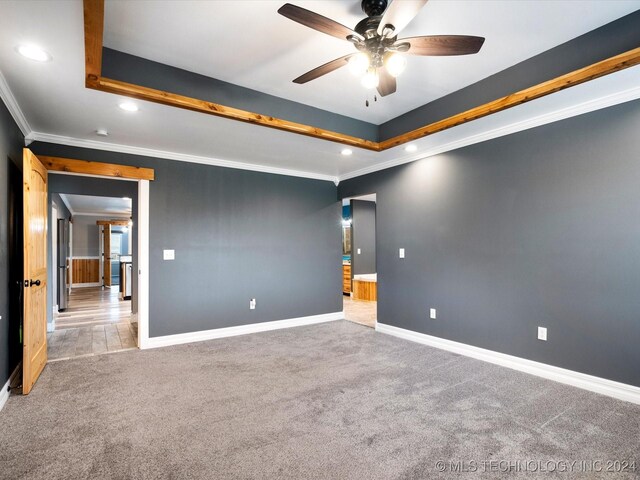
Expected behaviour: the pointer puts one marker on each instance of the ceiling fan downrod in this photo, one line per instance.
(373, 8)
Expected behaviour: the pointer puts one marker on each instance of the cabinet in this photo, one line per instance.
(346, 279)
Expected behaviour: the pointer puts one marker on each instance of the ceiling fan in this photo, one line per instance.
(380, 56)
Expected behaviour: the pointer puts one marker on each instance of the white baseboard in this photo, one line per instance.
(4, 394)
(618, 390)
(180, 338)
(82, 285)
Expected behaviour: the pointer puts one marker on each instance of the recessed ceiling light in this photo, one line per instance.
(33, 53)
(128, 106)
(410, 148)
(346, 152)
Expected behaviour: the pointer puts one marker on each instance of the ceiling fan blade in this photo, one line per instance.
(386, 84)
(442, 45)
(323, 69)
(399, 14)
(316, 21)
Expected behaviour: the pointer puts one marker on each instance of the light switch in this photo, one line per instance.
(359, 251)
(401, 253)
(542, 334)
(168, 254)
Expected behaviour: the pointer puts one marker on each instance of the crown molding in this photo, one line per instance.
(13, 107)
(180, 157)
(539, 120)
(543, 119)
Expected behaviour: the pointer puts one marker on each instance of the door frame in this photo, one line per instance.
(54, 261)
(143, 245)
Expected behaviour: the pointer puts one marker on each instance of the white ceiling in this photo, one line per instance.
(51, 104)
(249, 44)
(98, 206)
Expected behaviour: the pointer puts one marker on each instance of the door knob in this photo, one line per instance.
(32, 283)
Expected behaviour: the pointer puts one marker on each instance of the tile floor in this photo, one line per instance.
(95, 322)
(358, 311)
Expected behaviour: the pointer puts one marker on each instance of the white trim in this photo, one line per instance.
(4, 394)
(603, 386)
(240, 330)
(181, 157)
(80, 257)
(143, 263)
(87, 284)
(13, 107)
(561, 114)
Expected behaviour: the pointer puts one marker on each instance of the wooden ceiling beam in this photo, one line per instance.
(582, 75)
(116, 223)
(174, 100)
(93, 39)
(94, 27)
(85, 167)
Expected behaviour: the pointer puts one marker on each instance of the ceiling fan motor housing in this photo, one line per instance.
(373, 44)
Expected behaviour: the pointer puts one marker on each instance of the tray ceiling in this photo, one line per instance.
(248, 43)
(55, 106)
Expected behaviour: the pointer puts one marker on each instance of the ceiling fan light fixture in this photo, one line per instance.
(370, 79)
(395, 64)
(359, 63)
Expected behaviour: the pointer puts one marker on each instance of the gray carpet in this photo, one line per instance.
(330, 401)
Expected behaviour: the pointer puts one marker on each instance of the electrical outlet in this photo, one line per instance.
(432, 313)
(168, 254)
(252, 304)
(542, 333)
(401, 253)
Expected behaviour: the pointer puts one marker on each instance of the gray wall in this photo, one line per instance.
(86, 235)
(363, 237)
(11, 142)
(538, 228)
(237, 235)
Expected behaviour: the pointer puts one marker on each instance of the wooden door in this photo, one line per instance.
(106, 255)
(34, 353)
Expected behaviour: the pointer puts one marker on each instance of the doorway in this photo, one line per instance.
(93, 308)
(35, 287)
(360, 299)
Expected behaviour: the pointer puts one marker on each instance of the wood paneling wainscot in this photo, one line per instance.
(86, 270)
(364, 290)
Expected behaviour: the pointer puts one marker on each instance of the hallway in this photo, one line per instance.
(359, 311)
(96, 322)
